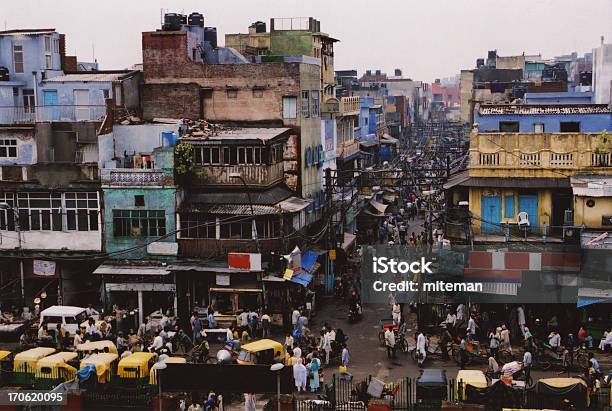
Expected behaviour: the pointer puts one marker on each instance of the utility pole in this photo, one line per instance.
(331, 241)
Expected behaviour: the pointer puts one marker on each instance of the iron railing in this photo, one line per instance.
(39, 114)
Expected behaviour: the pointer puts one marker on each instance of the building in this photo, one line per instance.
(522, 158)
(602, 73)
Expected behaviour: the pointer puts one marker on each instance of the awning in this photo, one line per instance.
(507, 182)
(309, 259)
(387, 139)
(588, 296)
(130, 270)
(356, 154)
(368, 143)
(293, 204)
(235, 290)
(208, 269)
(348, 241)
(381, 208)
(456, 179)
(302, 278)
(500, 288)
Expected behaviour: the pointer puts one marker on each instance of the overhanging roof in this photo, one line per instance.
(263, 135)
(130, 270)
(270, 196)
(510, 182)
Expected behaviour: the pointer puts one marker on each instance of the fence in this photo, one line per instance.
(31, 114)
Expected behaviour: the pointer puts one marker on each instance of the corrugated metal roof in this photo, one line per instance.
(130, 270)
(26, 32)
(236, 209)
(540, 109)
(293, 204)
(86, 77)
(271, 196)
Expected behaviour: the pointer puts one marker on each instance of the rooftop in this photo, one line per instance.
(262, 134)
(87, 76)
(26, 32)
(487, 110)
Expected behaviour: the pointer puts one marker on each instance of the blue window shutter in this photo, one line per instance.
(321, 154)
(315, 156)
(509, 206)
(308, 160)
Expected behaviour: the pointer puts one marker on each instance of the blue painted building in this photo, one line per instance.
(26, 58)
(370, 118)
(586, 118)
(567, 97)
(137, 173)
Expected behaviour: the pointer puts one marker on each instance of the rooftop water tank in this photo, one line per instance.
(210, 36)
(172, 21)
(196, 19)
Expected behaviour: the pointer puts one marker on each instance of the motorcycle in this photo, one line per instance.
(355, 313)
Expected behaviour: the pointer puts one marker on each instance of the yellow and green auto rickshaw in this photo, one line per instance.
(104, 364)
(135, 367)
(102, 346)
(261, 352)
(169, 360)
(54, 369)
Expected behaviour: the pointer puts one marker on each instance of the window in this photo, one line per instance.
(8, 148)
(509, 126)
(106, 93)
(82, 211)
(47, 44)
(197, 225)
(509, 205)
(56, 45)
(48, 62)
(7, 217)
(18, 58)
(207, 155)
(305, 104)
(29, 103)
(40, 211)
(237, 230)
(257, 93)
(118, 95)
(250, 155)
(289, 107)
(268, 227)
(139, 223)
(538, 127)
(139, 201)
(569, 126)
(231, 93)
(315, 103)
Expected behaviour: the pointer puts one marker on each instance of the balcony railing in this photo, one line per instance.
(254, 175)
(347, 148)
(572, 151)
(349, 106)
(135, 177)
(39, 114)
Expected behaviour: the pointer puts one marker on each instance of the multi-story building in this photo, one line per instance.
(522, 158)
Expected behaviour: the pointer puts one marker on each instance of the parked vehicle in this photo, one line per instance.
(431, 387)
(561, 392)
(54, 369)
(474, 378)
(91, 346)
(260, 352)
(104, 365)
(24, 364)
(69, 316)
(169, 360)
(135, 367)
(475, 352)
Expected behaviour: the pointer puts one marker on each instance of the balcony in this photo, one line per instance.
(347, 149)
(254, 175)
(538, 155)
(349, 106)
(40, 114)
(135, 177)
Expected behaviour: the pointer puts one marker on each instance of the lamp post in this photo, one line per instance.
(277, 369)
(246, 188)
(6, 206)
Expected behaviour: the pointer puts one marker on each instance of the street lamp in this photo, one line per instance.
(277, 367)
(246, 188)
(7, 206)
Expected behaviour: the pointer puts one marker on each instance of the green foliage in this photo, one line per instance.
(184, 160)
(604, 144)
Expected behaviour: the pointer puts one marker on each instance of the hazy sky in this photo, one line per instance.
(426, 38)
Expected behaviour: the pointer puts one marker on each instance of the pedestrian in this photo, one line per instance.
(345, 356)
(493, 368)
(212, 323)
(594, 365)
(421, 348)
(505, 339)
(445, 339)
(158, 344)
(520, 314)
(294, 318)
(554, 340)
(606, 341)
(142, 329)
(120, 343)
(77, 340)
(325, 345)
(451, 320)
(243, 320)
(527, 363)
(390, 343)
(314, 367)
(471, 328)
(462, 352)
(494, 342)
(249, 402)
(460, 315)
(197, 329)
(90, 311)
(396, 313)
(288, 342)
(300, 375)
(265, 325)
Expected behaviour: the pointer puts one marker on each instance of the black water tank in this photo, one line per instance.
(260, 27)
(4, 74)
(183, 19)
(210, 35)
(172, 21)
(196, 19)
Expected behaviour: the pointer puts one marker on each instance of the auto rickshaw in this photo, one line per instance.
(5, 365)
(260, 352)
(135, 367)
(553, 392)
(54, 369)
(169, 360)
(102, 346)
(104, 364)
(24, 364)
(474, 378)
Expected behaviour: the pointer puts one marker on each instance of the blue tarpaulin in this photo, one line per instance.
(302, 278)
(309, 258)
(584, 301)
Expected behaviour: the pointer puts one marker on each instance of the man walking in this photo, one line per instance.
(527, 362)
(421, 348)
(390, 343)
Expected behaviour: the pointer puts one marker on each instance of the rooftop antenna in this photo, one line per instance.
(93, 51)
(161, 16)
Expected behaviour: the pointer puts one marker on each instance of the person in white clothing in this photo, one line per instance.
(554, 340)
(606, 341)
(158, 343)
(325, 345)
(397, 313)
(471, 328)
(294, 318)
(421, 348)
(520, 312)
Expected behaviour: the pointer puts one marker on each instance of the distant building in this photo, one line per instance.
(602, 73)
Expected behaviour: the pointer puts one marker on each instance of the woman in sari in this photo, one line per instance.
(314, 366)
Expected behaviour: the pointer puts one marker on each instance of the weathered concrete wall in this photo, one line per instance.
(602, 73)
(26, 145)
(591, 216)
(291, 43)
(510, 62)
(466, 83)
(155, 198)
